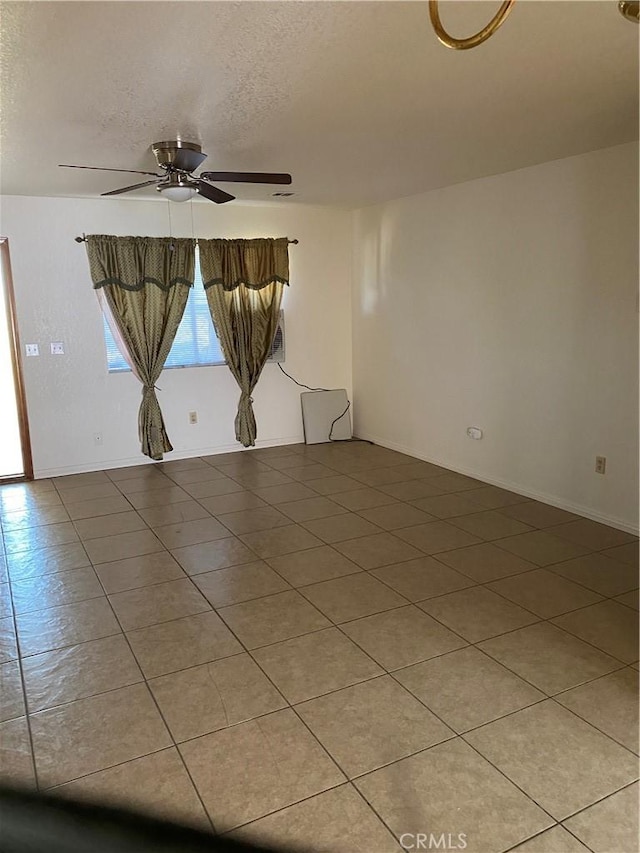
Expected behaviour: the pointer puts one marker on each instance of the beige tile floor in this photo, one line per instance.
(337, 647)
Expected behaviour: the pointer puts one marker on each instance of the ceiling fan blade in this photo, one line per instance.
(213, 193)
(249, 177)
(106, 169)
(132, 187)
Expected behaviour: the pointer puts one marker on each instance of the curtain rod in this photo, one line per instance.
(83, 239)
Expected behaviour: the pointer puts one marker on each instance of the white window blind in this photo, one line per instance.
(196, 342)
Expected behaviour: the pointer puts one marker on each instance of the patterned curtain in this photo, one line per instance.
(144, 282)
(244, 281)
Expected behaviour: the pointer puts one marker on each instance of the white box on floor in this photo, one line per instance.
(319, 411)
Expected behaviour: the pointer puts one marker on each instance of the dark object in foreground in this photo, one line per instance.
(41, 823)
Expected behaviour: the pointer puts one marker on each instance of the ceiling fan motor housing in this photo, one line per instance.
(178, 155)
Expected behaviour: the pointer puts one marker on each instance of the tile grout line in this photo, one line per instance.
(346, 784)
(338, 626)
(22, 682)
(29, 714)
(169, 729)
(489, 722)
(548, 829)
(580, 811)
(459, 736)
(446, 520)
(539, 619)
(408, 602)
(247, 651)
(446, 740)
(331, 758)
(164, 722)
(546, 696)
(549, 567)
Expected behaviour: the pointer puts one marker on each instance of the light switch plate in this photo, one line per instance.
(57, 348)
(32, 349)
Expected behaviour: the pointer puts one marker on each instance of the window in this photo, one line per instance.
(196, 342)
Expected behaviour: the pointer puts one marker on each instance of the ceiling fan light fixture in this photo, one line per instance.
(178, 193)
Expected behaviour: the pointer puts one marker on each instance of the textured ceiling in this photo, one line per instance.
(357, 100)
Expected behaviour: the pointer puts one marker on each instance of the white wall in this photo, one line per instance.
(71, 397)
(510, 304)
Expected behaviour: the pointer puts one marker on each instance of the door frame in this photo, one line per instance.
(16, 362)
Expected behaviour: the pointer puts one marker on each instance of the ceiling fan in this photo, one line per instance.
(178, 160)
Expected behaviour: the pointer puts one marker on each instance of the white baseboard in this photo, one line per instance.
(553, 500)
(105, 464)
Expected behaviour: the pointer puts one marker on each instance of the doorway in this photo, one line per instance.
(15, 448)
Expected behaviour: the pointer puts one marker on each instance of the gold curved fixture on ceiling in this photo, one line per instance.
(470, 41)
(629, 9)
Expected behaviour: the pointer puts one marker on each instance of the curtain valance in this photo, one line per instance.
(252, 263)
(132, 262)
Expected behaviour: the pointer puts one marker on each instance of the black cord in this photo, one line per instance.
(335, 421)
(301, 384)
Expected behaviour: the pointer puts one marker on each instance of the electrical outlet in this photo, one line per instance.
(601, 464)
(193, 417)
(32, 349)
(97, 438)
(57, 348)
